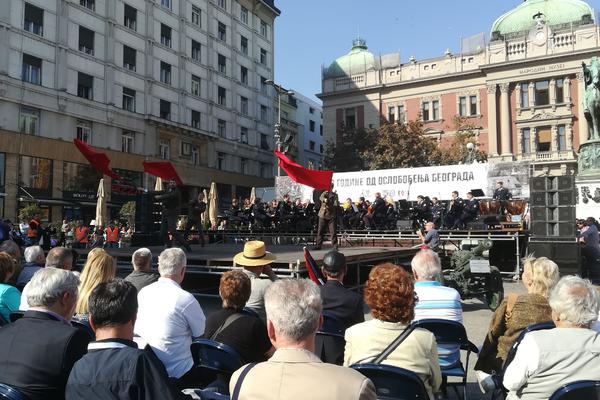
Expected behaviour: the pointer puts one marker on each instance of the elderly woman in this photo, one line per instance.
(549, 359)
(390, 295)
(514, 314)
(246, 333)
(10, 297)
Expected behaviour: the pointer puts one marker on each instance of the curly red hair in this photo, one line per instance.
(390, 294)
(234, 289)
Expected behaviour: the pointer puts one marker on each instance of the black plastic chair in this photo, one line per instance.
(14, 316)
(250, 312)
(588, 390)
(84, 326)
(208, 395)
(10, 393)
(393, 383)
(450, 333)
(330, 341)
(216, 357)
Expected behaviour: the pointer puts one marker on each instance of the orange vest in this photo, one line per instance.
(34, 225)
(81, 234)
(112, 235)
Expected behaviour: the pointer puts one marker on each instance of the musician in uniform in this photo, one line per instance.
(437, 211)
(351, 214)
(423, 208)
(196, 207)
(470, 211)
(454, 211)
(501, 193)
(378, 210)
(327, 217)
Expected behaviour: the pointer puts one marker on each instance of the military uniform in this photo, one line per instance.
(502, 194)
(328, 216)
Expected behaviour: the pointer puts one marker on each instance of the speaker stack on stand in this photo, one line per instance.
(552, 222)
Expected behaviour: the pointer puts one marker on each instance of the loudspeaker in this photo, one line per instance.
(145, 216)
(566, 214)
(145, 239)
(565, 182)
(539, 213)
(538, 184)
(539, 228)
(538, 199)
(566, 198)
(566, 255)
(566, 229)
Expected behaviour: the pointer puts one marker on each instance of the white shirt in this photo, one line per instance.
(168, 317)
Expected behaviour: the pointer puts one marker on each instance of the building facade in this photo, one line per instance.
(181, 80)
(309, 116)
(521, 90)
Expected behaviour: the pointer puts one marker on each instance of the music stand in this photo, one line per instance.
(477, 193)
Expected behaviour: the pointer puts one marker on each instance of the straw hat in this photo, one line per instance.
(254, 255)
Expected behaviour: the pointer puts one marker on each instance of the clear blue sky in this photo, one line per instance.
(310, 33)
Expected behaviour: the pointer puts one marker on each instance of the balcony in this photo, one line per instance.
(548, 156)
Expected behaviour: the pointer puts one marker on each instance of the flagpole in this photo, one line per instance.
(277, 129)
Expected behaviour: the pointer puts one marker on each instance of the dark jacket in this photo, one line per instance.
(27, 272)
(329, 205)
(141, 279)
(195, 209)
(342, 303)
(170, 199)
(37, 353)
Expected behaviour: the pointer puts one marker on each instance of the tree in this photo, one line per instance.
(346, 155)
(457, 152)
(28, 212)
(127, 212)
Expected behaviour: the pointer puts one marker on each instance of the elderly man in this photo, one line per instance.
(294, 313)
(34, 261)
(169, 317)
(431, 239)
(38, 351)
(548, 359)
(142, 276)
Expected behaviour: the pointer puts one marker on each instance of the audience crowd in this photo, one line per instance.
(91, 335)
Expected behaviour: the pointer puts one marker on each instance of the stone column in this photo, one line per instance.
(492, 123)
(552, 89)
(505, 119)
(569, 136)
(583, 125)
(531, 94)
(533, 141)
(554, 139)
(520, 139)
(567, 91)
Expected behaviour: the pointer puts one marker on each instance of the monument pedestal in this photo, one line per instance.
(587, 181)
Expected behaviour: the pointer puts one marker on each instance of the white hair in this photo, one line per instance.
(426, 264)
(48, 284)
(140, 258)
(33, 253)
(294, 307)
(575, 300)
(171, 262)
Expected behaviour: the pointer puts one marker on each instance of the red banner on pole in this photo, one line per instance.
(315, 179)
(163, 169)
(98, 160)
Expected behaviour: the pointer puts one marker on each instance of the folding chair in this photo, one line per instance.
(393, 383)
(10, 393)
(330, 342)
(588, 390)
(16, 315)
(217, 361)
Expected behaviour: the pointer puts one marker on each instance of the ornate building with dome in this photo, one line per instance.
(522, 89)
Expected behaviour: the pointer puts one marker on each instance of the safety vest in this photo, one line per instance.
(81, 234)
(34, 225)
(112, 235)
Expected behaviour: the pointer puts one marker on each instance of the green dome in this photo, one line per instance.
(357, 61)
(555, 12)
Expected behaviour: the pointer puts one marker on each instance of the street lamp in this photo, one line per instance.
(470, 158)
(277, 131)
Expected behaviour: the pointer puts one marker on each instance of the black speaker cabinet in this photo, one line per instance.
(566, 229)
(146, 216)
(538, 184)
(539, 228)
(565, 254)
(539, 213)
(566, 198)
(566, 214)
(565, 182)
(538, 199)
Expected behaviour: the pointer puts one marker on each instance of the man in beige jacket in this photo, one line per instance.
(294, 310)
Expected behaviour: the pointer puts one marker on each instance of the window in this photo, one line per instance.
(128, 99)
(524, 95)
(165, 109)
(166, 3)
(526, 141)
(243, 165)
(321, 130)
(544, 139)
(561, 137)
(31, 70)
(560, 91)
(164, 149)
(263, 56)
(244, 44)
(462, 106)
(473, 105)
(542, 96)
(86, 40)
(463, 111)
(165, 35)
(127, 141)
(196, 16)
(350, 118)
(195, 119)
(436, 110)
(222, 31)
(244, 14)
(265, 170)
(244, 75)
(244, 105)
(263, 85)
(392, 114)
(222, 96)
(129, 58)
(264, 28)
(84, 131)
(186, 149)
(401, 115)
(36, 173)
(221, 128)
(196, 51)
(91, 4)
(29, 121)
(85, 86)
(264, 142)
(263, 113)
(311, 145)
(321, 148)
(311, 110)
(130, 18)
(311, 125)
(34, 19)
(425, 111)
(221, 161)
(244, 135)
(222, 4)
(196, 82)
(222, 63)
(165, 73)
(195, 156)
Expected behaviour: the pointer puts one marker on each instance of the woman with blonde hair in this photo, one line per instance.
(515, 313)
(100, 267)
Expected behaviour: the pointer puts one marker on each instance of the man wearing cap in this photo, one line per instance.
(256, 260)
(327, 217)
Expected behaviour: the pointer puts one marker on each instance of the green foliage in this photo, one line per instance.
(457, 152)
(28, 212)
(347, 155)
(128, 209)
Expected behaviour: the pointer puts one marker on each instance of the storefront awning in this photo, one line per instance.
(47, 201)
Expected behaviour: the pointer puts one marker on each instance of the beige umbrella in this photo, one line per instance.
(213, 209)
(252, 195)
(101, 206)
(159, 187)
(204, 216)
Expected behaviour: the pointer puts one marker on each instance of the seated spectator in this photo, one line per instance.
(142, 274)
(100, 267)
(169, 317)
(549, 359)
(435, 300)
(13, 249)
(247, 334)
(114, 367)
(293, 316)
(256, 260)
(345, 305)
(58, 257)
(390, 295)
(38, 351)
(514, 314)
(10, 297)
(34, 261)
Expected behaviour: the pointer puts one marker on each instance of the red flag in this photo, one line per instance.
(164, 170)
(314, 272)
(98, 160)
(320, 180)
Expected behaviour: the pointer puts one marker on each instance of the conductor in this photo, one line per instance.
(501, 193)
(327, 217)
